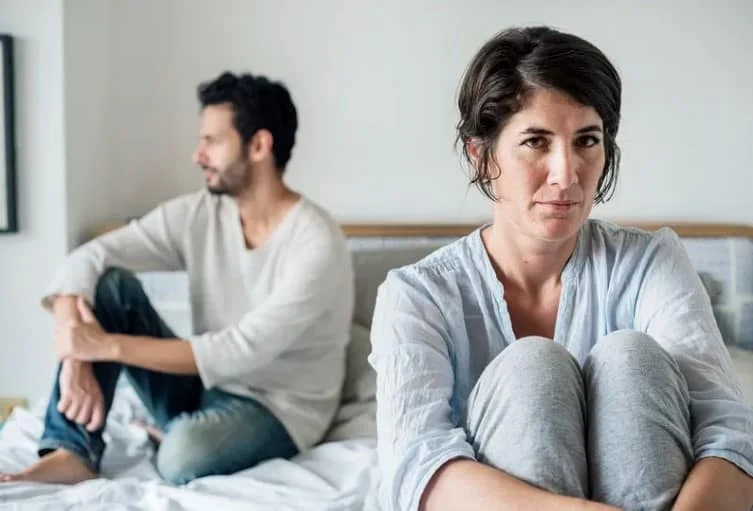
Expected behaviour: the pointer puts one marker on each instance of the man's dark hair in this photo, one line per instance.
(257, 103)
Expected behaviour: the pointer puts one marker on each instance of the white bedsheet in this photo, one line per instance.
(332, 476)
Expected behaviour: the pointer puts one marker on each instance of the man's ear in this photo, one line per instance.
(260, 146)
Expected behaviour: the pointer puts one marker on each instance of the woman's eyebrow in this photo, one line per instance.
(536, 131)
(587, 129)
(533, 130)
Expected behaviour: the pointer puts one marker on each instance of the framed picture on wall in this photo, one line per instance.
(8, 218)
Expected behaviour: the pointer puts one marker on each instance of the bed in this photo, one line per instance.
(340, 473)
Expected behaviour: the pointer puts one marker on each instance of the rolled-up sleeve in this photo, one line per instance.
(674, 309)
(415, 379)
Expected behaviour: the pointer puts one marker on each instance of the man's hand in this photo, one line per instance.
(83, 339)
(80, 395)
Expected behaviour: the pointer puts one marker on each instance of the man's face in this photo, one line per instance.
(220, 153)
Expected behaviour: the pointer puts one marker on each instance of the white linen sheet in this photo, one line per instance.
(331, 476)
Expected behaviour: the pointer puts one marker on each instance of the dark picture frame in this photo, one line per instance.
(8, 216)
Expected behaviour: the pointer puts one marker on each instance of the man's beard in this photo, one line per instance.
(230, 181)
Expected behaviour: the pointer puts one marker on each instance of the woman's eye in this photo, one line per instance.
(535, 142)
(587, 141)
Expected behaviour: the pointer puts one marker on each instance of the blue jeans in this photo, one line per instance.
(206, 431)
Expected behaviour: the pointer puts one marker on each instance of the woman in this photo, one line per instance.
(548, 361)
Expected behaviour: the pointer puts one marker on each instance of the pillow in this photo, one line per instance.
(360, 378)
(356, 417)
(371, 267)
(725, 319)
(712, 286)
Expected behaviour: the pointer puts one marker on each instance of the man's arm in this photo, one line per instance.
(302, 298)
(715, 483)
(150, 243)
(467, 484)
(174, 356)
(65, 308)
(86, 341)
(81, 398)
(298, 301)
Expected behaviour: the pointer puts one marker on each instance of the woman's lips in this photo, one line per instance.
(559, 206)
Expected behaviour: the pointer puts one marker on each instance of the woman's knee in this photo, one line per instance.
(532, 358)
(526, 407)
(629, 353)
(632, 366)
(638, 404)
(530, 368)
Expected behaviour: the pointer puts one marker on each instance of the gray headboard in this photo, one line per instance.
(721, 253)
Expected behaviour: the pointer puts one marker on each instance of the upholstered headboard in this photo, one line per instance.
(722, 254)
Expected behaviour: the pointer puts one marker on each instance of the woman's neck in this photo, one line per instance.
(530, 265)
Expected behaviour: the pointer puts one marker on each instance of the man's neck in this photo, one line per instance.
(262, 207)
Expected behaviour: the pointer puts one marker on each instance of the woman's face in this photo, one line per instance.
(550, 156)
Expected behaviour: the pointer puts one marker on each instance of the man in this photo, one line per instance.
(271, 290)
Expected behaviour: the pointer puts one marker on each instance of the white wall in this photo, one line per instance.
(90, 125)
(107, 115)
(375, 85)
(27, 259)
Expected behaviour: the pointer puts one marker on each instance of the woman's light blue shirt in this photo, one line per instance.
(438, 323)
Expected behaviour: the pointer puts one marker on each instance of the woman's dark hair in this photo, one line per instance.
(519, 60)
(257, 103)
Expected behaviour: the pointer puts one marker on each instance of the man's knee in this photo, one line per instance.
(116, 289)
(115, 283)
(184, 455)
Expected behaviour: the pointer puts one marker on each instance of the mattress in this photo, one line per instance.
(331, 476)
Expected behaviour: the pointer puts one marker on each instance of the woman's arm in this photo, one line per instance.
(674, 309)
(715, 483)
(469, 485)
(424, 455)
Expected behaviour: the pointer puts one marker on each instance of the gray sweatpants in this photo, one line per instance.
(616, 431)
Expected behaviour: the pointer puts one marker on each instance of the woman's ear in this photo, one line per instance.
(474, 149)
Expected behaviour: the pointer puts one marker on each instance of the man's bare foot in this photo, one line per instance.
(60, 466)
(154, 434)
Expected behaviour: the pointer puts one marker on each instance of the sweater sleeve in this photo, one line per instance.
(150, 243)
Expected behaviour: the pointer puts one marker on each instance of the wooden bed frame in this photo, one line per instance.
(685, 230)
(407, 230)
